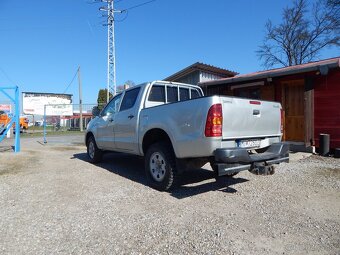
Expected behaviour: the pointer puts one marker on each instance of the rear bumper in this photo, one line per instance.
(231, 160)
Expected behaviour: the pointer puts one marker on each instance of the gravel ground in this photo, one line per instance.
(53, 201)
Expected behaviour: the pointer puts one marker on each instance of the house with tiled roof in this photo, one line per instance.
(200, 72)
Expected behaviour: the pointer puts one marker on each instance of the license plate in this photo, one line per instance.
(249, 143)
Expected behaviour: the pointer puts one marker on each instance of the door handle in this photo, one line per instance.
(130, 116)
(110, 119)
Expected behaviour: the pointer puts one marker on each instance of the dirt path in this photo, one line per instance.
(53, 201)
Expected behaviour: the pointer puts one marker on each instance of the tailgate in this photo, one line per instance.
(247, 118)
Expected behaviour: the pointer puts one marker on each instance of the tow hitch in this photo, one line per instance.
(262, 168)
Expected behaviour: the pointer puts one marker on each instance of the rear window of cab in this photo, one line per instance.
(170, 94)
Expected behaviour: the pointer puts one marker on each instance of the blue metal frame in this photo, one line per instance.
(16, 117)
(45, 141)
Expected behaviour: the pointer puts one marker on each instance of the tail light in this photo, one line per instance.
(213, 125)
(254, 102)
(282, 120)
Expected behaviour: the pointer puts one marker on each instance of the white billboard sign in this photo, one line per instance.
(56, 104)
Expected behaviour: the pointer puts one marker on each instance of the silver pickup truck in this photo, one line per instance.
(175, 127)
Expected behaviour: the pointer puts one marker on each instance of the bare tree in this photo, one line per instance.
(130, 83)
(302, 34)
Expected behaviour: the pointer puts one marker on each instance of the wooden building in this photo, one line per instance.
(309, 94)
(200, 72)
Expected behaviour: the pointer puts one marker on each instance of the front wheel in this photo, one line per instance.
(160, 166)
(93, 152)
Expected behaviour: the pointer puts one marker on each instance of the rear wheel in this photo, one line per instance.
(93, 152)
(160, 166)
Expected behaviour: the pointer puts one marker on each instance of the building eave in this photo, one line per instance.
(201, 67)
(285, 71)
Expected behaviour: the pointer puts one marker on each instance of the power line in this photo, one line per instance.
(71, 81)
(7, 76)
(126, 16)
(138, 5)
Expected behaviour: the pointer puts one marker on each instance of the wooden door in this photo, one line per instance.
(293, 104)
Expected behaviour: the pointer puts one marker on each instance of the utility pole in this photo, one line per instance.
(111, 54)
(111, 59)
(80, 102)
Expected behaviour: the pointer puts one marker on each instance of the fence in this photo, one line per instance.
(61, 120)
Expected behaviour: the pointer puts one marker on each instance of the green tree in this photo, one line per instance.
(302, 34)
(102, 98)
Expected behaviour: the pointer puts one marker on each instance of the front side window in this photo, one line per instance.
(112, 106)
(129, 99)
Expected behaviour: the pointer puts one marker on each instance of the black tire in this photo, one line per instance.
(93, 152)
(214, 167)
(160, 166)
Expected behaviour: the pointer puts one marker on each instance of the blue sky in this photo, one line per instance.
(42, 43)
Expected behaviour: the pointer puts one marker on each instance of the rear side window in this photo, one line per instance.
(184, 94)
(129, 99)
(157, 94)
(172, 94)
(195, 94)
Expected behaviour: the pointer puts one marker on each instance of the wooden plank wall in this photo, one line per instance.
(327, 107)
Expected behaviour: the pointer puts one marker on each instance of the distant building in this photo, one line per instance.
(200, 72)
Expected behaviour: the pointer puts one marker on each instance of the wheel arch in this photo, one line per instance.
(155, 135)
(88, 135)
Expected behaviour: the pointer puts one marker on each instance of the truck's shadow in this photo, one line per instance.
(192, 182)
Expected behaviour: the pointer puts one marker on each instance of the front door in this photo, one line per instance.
(293, 105)
(105, 124)
(126, 122)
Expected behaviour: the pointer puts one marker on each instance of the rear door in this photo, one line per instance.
(247, 118)
(126, 122)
